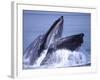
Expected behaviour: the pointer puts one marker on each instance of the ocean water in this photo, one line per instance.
(36, 23)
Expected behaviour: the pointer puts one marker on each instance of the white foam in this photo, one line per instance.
(61, 58)
(40, 59)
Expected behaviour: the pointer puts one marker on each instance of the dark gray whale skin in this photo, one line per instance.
(43, 42)
(71, 43)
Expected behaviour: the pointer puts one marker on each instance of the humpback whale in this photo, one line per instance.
(51, 41)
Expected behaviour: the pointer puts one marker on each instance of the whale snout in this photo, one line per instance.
(77, 38)
(81, 35)
(61, 17)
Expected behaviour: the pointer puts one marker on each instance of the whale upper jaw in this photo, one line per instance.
(54, 32)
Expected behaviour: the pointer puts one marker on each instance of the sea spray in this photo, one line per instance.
(61, 58)
(40, 59)
(66, 58)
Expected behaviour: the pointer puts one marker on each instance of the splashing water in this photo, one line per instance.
(61, 58)
(40, 59)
